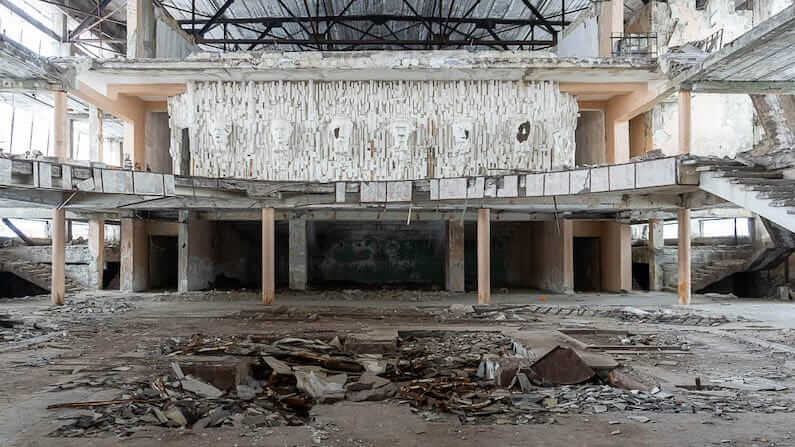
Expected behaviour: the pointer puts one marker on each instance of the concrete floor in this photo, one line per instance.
(766, 343)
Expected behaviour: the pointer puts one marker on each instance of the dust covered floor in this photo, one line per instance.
(356, 368)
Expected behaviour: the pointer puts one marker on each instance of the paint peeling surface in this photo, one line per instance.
(373, 130)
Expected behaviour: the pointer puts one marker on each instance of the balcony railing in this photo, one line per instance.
(634, 44)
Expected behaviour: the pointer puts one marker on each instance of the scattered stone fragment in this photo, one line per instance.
(204, 389)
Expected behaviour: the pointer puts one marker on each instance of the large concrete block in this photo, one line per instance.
(169, 187)
(99, 184)
(339, 192)
(652, 173)
(580, 181)
(534, 185)
(45, 175)
(116, 181)
(600, 179)
(5, 171)
(434, 187)
(622, 177)
(476, 187)
(556, 183)
(66, 177)
(148, 183)
(452, 188)
(509, 187)
(398, 191)
(372, 192)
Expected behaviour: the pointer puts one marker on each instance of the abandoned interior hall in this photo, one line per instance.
(397, 222)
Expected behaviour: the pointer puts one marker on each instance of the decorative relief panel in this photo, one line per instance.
(373, 130)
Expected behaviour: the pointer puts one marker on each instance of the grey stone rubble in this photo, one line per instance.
(276, 381)
(526, 312)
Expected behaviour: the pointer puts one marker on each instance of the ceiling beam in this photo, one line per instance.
(89, 21)
(28, 18)
(378, 18)
(217, 16)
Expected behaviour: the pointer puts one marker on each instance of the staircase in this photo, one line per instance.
(762, 191)
(735, 260)
(35, 273)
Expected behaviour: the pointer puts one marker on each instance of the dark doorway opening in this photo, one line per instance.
(640, 276)
(587, 264)
(12, 286)
(110, 275)
(163, 262)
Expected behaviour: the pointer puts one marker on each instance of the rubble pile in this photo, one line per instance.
(524, 312)
(266, 380)
(92, 305)
(16, 330)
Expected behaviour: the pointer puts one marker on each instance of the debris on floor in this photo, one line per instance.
(265, 380)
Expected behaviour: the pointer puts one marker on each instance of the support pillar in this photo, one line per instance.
(616, 257)
(60, 123)
(141, 41)
(195, 247)
(685, 121)
(134, 274)
(454, 259)
(95, 133)
(656, 251)
(684, 256)
(268, 257)
(566, 228)
(298, 254)
(96, 249)
(58, 278)
(484, 256)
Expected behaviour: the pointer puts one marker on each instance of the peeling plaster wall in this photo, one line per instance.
(373, 130)
(172, 42)
(581, 38)
(722, 124)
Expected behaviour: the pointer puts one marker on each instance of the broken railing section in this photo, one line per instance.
(89, 177)
(86, 177)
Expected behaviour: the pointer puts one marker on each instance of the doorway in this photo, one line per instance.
(587, 264)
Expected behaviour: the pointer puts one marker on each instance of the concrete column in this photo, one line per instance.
(656, 251)
(484, 256)
(611, 21)
(95, 133)
(134, 275)
(268, 257)
(134, 139)
(616, 257)
(58, 285)
(60, 123)
(298, 254)
(96, 248)
(685, 121)
(454, 259)
(567, 246)
(141, 41)
(196, 263)
(684, 256)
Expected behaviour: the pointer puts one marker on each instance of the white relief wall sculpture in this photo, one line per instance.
(373, 130)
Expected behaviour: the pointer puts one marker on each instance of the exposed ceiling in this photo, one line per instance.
(374, 24)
